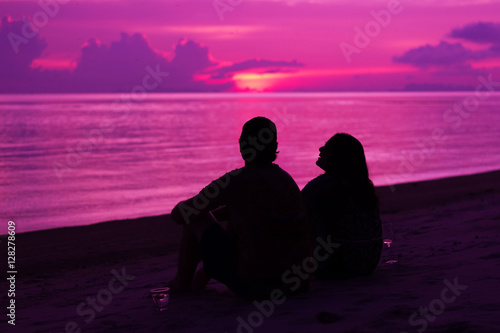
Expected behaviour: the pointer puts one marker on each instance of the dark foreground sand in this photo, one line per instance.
(447, 279)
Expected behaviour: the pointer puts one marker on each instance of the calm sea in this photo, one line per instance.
(79, 159)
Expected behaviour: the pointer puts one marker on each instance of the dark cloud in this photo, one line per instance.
(480, 32)
(20, 44)
(456, 55)
(227, 71)
(117, 67)
(444, 54)
(190, 60)
(192, 57)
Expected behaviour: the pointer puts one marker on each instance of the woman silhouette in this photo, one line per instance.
(342, 205)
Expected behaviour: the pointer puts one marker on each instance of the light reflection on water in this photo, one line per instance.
(168, 146)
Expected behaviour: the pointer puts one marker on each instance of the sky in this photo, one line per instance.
(247, 45)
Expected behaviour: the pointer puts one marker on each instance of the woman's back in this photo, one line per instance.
(335, 209)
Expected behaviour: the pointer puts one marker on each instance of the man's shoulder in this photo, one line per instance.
(263, 169)
(225, 180)
(284, 174)
(278, 169)
(271, 174)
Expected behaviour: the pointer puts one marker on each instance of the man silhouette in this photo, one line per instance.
(266, 231)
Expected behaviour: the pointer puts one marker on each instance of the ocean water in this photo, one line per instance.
(80, 159)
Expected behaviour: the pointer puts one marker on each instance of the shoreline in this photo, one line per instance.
(432, 192)
(392, 197)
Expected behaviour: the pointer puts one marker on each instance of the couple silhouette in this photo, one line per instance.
(276, 237)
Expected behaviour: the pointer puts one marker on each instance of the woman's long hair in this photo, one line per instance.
(347, 160)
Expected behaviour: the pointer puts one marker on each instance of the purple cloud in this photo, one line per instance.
(117, 67)
(444, 54)
(191, 59)
(20, 45)
(254, 64)
(455, 55)
(480, 33)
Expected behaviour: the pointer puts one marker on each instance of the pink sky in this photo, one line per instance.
(248, 45)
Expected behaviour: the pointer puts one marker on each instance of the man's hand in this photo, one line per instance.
(221, 214)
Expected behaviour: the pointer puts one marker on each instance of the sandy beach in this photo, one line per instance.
(446, 242)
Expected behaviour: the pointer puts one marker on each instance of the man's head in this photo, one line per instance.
(258, 141)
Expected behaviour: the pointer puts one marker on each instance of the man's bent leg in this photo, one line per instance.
(189, 254)
(220, 258)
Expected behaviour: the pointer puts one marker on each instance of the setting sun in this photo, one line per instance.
(255, 81)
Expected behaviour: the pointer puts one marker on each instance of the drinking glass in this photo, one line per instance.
(388, 235)
(160, 298)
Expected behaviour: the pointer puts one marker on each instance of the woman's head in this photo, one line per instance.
(343, 155)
